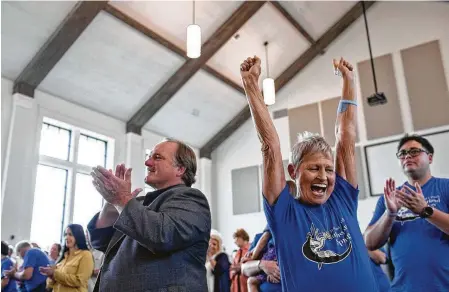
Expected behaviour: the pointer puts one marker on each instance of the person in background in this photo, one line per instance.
(263, 252)
(414, 219)
(239, 281)
(98, 260)
(217, 265)
(75, 267)
(29, 274)
(8, 285)
(379, 257)
(55, 252)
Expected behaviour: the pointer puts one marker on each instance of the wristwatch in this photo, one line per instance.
(426, 212)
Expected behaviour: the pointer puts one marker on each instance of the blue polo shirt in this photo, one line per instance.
(35, 258)
(321, 248)
(419, 250)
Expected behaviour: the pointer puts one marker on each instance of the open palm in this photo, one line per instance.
(391, 202)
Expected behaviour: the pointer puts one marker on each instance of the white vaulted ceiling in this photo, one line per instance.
(114, 69)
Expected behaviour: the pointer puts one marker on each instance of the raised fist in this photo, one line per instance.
(344, 67)
(250, 67)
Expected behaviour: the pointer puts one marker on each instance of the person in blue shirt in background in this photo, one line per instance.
(415, 220)
(8, 285)
(378, 258)
(33, 258)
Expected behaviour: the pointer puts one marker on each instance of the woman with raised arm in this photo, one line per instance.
(313, 220)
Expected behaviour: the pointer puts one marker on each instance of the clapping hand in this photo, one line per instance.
(48, 271)
(413, 200)
(115, 189)
(391, 201)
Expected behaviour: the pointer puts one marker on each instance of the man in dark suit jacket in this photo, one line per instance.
(157, 242)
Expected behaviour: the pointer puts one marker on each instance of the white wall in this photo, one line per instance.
(6, 115)
(18, 190)
(393, 26)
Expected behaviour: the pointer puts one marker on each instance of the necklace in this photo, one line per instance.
(326, 226)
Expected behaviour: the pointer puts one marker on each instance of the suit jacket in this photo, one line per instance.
(158, 243)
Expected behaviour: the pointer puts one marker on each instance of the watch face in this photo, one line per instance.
(428, 211)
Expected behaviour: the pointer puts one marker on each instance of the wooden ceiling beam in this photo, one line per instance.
(295, 68)
(122, 16)
(56, 46)
(191, 66)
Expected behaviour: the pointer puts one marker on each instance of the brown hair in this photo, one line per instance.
(242, 234)
(185, 157)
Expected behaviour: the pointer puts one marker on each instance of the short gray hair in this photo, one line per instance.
(22, 244)
(308, 143)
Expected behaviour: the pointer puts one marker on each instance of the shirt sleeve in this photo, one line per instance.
(379, 211)
(346, 193)
(222, 265)
(6, 265)
(278, 212)
(99, 237)
(30, 259)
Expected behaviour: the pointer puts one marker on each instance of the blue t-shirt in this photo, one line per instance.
(7, 264)
(382, 279)
(321, 248)
(35, 258)
(419, 250)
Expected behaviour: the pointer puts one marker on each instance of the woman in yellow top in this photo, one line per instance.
(75, 266)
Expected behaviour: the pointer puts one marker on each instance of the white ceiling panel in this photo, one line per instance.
(286, 44)
(111, 68)
(198, 111)
(26, 26)
(317, 16)
(171, 18)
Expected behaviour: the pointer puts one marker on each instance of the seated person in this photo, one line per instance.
(264, 276)
(378, 257)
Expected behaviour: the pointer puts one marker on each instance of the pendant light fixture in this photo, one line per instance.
(193, 37)
(378, 97)
(269, 95)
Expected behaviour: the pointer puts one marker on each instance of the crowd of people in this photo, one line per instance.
(163, 241)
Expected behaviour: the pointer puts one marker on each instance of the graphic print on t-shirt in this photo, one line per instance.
(316, 250)
(405, 215)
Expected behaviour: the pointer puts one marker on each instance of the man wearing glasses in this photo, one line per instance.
(415, 219)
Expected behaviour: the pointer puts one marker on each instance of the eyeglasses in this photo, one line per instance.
(412, 151)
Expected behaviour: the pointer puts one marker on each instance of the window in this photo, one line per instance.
(55, 141)
(87, 200)
(64, 192)
(92, 151)
(49, 204)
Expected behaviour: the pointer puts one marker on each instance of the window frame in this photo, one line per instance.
(71, 163)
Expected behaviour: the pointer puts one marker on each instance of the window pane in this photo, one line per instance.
(55, 142)
(92, 151)
(48, 209)
(87, 200)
